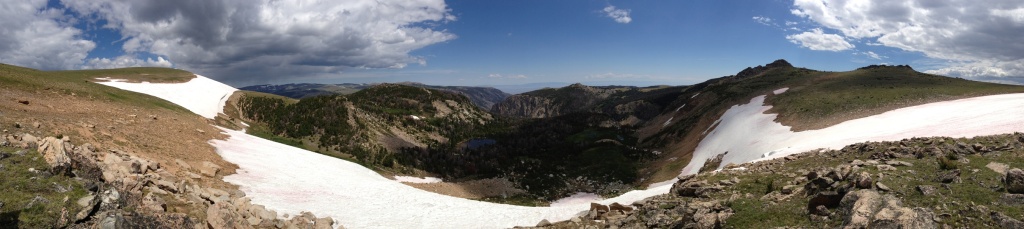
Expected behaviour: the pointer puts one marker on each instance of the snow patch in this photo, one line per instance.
(695, 95)
(201, 95)
(668, 122)
(424, 180)
(680, 107)
(290, 180)
(748, 134)
(577, 199)
(780, 90)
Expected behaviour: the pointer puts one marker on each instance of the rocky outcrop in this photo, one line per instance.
(868, 209)
(55, 153)
(754, 71)
(126, 191)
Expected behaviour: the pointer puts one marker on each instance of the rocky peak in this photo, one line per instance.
(748, 72)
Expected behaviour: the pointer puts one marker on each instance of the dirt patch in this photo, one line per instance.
(474, 189)
(154, 133)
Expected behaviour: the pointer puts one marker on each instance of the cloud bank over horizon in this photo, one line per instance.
(231, 39)
(976, 39)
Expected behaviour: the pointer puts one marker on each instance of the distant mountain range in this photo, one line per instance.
(483, 97)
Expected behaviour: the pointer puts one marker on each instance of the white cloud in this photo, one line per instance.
(791, 23)
(249, 41)
(620, 15)
(126, 61)
(33, 36)
(500, 76)
(818, 40)
(873, 55)
(763, 20)
(978, 38)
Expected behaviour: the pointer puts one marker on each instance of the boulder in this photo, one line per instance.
(153, 203)
(222, 215)
(1005, 221)
(867, 208)
(54, 153)
(926, 190)
(544, 223)
(863, 180)
(1014, 181)
(209, 169)
(949, 176)
(323, 223)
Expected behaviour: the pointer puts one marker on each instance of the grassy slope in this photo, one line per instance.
(822, 99)
(19, 186)
(71, 83)
(816, 99)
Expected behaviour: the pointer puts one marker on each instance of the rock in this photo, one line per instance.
(37, 125)
(926, 190)
(1014, 181)
(949, 177)
(166, 185)
(1012, 199)
(789, 189)
(829, 199)
(863, 180)
(153, 203)
(998, 167)
(821, 210)
(886, 168)
(54, 153)
(324, 223)
(209, 169)
(29, 141)
(221, 215)
(978, 147)
(898, 163)
(1006, 221)
(616, 207)
(111, 199)
(882, 187)
(182, 164)
(599, 208)
(866, 208)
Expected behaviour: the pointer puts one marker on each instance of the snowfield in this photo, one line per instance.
(201, 95)
(290, 180)
(748, 134)
(424, 180)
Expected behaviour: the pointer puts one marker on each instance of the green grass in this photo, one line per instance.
(79, 83)
(19, 187)
(822, 95)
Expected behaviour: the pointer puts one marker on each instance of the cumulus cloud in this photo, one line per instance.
(126, 61)
(763, 20)
(873, 55)
(620, 15)
(979, 38)
(241, 41)
(35, 36)
(500, 76)
(818, 40)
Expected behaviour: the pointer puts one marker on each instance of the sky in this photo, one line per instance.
(484, 42)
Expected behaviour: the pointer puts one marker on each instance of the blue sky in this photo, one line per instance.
(472, 42)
